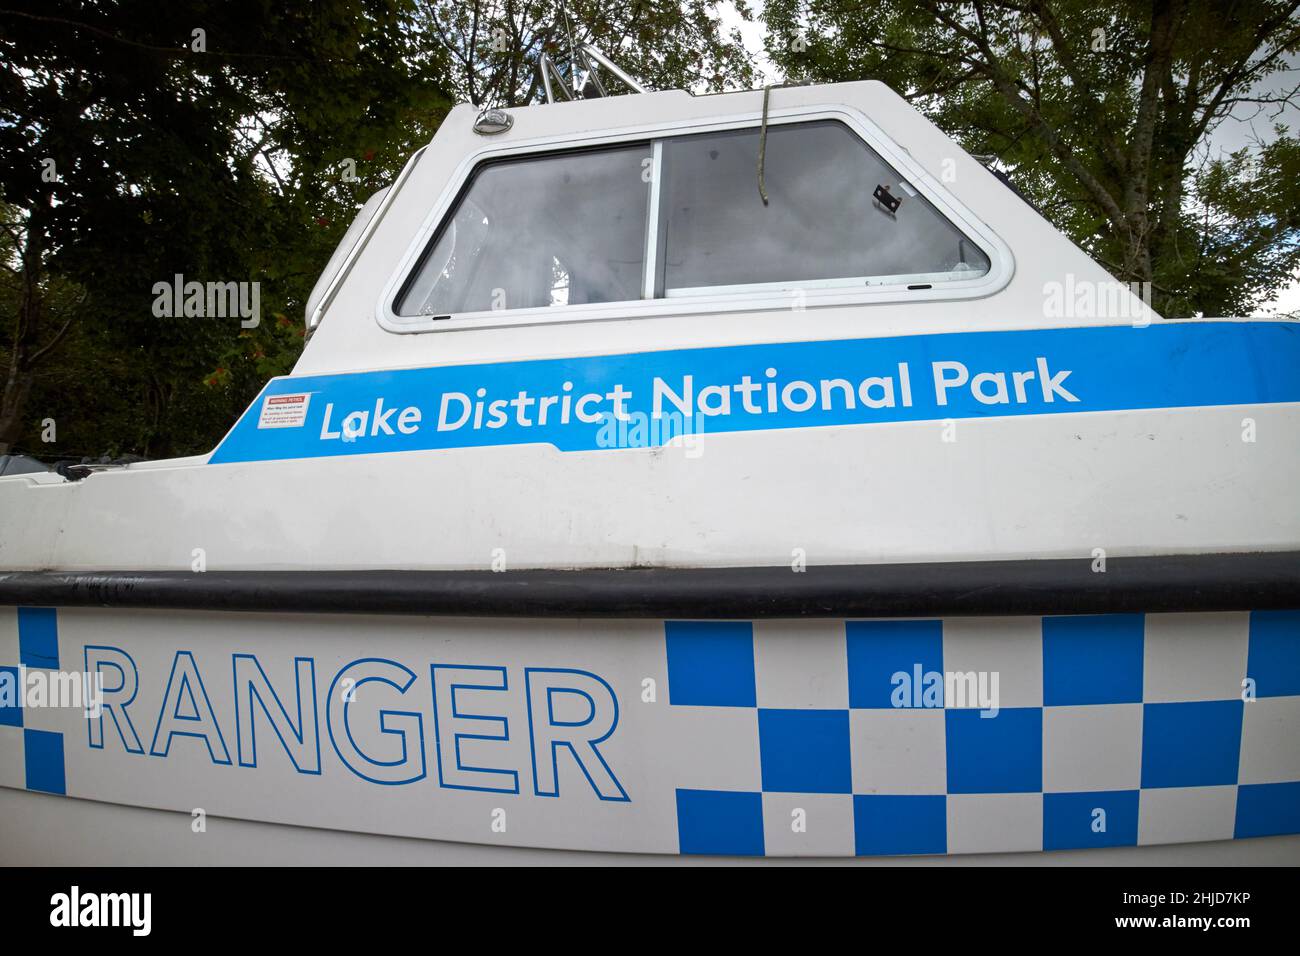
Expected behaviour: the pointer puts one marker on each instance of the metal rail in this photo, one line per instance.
(590, 55)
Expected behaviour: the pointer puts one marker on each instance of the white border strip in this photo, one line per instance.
(652, 221)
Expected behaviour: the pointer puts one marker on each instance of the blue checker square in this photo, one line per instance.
(38, 637)
(886, 825)
(43, 752)
(1076, 821)
(1273, 660)
(11, 700)
(1192, 744)
(880, 649)
(720, 822)
(1093, 659)
(805, 751)
(1002, 754)
(711, 663)
(1267, 809)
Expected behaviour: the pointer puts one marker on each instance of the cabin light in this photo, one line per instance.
(493, 121)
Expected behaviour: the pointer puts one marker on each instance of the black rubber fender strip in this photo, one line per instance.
(1165, 583)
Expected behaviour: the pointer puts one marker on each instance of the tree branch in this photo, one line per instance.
(992, 69)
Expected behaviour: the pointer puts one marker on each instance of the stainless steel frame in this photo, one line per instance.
(589, 53)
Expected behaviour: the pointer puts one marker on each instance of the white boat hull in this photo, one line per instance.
(814, 739)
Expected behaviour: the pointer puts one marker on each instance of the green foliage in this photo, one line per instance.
(1101, 111)
(1240, 244)
(238, 155)
(242, 155)
(494, 45)
(220, 163)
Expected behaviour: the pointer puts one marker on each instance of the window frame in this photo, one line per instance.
(770, 296)
(408, 279)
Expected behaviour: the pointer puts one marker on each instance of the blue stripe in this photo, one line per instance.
(720, 822)
(891, 825)
(1174, 365)
(11, 701)
(1267, 809)
(43, 757)
(38, 637)
(1274, 658)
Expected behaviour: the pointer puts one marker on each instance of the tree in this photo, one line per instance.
(495, 45)
(36, 303)
(205, 139)
(233, 141)
(1102, 110)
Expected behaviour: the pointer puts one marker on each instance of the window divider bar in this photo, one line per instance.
(652, 221)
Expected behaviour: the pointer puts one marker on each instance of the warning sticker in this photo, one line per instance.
(284, 411)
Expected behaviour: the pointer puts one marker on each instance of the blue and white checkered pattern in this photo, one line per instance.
(785, 738)
(1112, 730)
(28, 636)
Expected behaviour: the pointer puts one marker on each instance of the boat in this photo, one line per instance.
(674, 477)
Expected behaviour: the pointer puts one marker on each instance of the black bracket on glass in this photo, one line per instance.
(888, 200)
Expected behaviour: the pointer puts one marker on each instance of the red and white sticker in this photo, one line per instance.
(284, 411)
